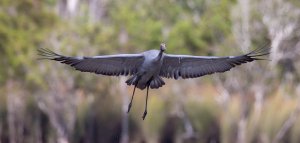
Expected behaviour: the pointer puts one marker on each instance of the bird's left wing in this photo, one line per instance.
(186, 66)
(112, 65)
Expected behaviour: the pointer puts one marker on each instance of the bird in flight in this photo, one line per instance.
(148, 68)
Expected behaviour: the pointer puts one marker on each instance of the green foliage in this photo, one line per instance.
(3, 112)
(22, 29)
(188, 41)
(205, 119)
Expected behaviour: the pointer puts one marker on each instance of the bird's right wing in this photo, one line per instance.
(112, 65)
(187, 66)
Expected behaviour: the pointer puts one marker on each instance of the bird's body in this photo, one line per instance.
(148, 72)
(147, 69)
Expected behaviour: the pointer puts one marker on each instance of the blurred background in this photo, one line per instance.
(47, 102)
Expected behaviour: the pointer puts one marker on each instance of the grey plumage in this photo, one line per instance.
(147, 69)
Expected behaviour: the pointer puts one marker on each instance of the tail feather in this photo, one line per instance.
(157, 82)
(132, 80)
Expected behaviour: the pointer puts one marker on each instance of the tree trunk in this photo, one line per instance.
(125, 123)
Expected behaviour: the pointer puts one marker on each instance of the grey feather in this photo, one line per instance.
(196, 66)
(111, 65)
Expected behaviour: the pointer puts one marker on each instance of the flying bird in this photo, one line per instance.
(148, 68)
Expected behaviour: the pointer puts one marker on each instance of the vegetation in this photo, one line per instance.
(42, 101)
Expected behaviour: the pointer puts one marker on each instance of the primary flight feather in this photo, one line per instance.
(147, 69)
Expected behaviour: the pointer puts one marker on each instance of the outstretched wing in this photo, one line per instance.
(112, 65)
(186, 66)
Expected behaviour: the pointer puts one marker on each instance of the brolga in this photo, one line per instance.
(148, 68)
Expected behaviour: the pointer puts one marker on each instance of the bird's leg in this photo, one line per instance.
(145, 111)
(129, 106)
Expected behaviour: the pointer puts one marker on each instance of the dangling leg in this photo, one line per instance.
(129, 106)
(145, 112)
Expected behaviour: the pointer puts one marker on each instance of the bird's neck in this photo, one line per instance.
(158, 58)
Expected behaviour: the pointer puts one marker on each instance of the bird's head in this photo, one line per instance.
(163, 47)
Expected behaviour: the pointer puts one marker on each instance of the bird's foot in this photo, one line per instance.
(144, 115)
(129, 106)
